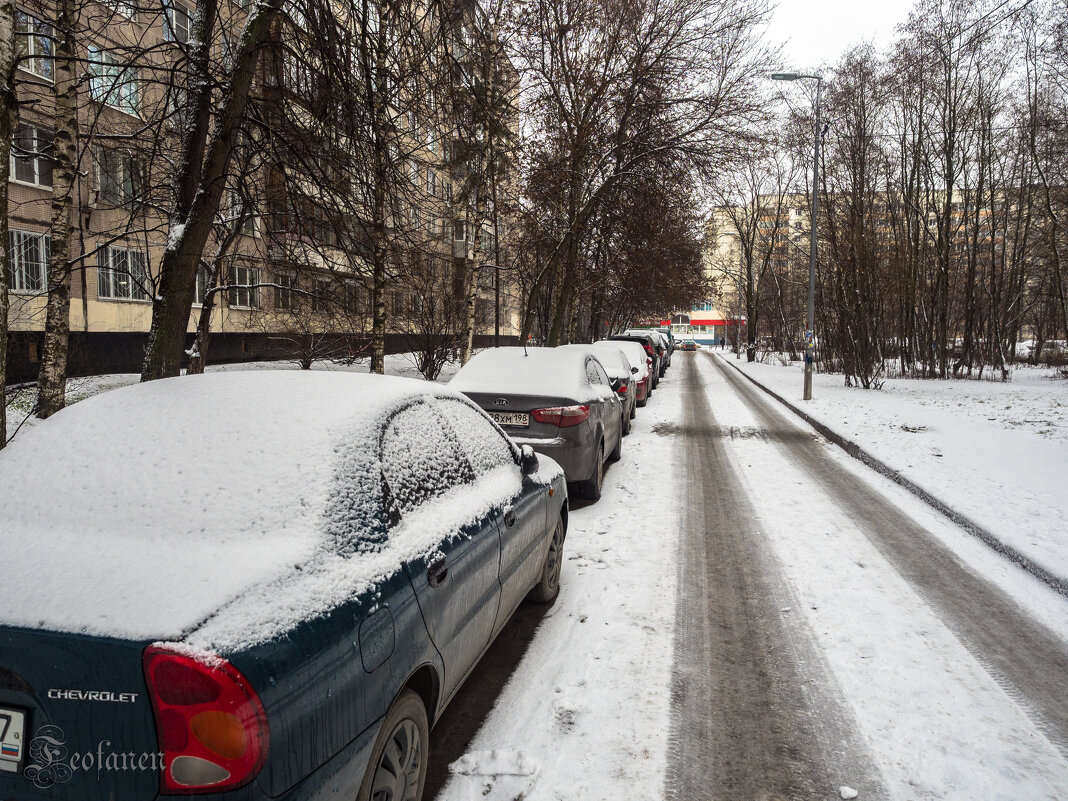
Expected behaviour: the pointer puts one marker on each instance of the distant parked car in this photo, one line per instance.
(277, 607)
(620, 373)
(652, 349)
(661, 346)
(640, 361)
(688, 344)
(557, 400)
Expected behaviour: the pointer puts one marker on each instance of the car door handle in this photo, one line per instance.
(436, 573)
(509, 517)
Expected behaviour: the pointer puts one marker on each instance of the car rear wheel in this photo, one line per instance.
(548, 587)
(591, 487)
(397, 768)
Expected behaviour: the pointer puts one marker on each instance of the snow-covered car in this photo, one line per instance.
(258, 585)
(557, 400)
(652, 349)
(641, 367)
(621, 374)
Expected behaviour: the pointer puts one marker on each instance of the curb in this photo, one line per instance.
(1057, 583)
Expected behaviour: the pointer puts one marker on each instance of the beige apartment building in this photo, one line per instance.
(281, 276)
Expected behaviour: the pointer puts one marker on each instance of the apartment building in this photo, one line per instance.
(287, 262)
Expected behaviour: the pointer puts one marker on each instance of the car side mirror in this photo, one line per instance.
(528, 460)
(633, 370)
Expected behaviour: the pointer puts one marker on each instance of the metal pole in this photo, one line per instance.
(810, 337)
(738, 319)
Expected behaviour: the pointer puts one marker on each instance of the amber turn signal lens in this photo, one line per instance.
(221, 733)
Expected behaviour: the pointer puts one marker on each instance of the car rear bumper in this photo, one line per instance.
(574, 450)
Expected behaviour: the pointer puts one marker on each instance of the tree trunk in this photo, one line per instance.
(470, 301)
(52, 379)
(200, 184)
(8, 120)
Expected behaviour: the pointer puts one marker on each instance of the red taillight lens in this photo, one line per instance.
(622, 390)
(562, 416)
(648, 348)
(211, 725)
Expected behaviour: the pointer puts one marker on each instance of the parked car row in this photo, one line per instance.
(573, 403)
(285, 612)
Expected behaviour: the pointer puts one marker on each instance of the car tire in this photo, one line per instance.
(643, 402)
(548, 586)
(590, 489)
(407, 727)
(633, 412)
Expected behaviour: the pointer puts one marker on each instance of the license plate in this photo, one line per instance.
(12, 739)
(511, 418)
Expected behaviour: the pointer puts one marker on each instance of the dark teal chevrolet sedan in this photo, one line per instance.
(256, 585)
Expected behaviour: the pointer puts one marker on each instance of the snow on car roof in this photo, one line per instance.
(610, 357)
(142, 511)
(633, 351)
(526, 371)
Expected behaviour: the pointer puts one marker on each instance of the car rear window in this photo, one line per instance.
(486, 447)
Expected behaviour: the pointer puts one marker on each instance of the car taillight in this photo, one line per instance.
(562, 416)
(622, 390)
(211, 725)
(648, 348)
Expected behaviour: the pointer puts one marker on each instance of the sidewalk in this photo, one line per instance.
(996, 453)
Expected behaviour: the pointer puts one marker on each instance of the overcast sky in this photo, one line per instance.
(818, 31)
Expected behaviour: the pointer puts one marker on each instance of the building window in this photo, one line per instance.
(113, 82)
(354, 298)
(121, 274)
(118, 177)
(201, 291)
(244, 292)
(321, 296)
(30, 162)
(431, 182)
(398, 304)
(177, 24)
(28, 262)
(285, 296)
(250, 222)
(33, 44)
(127, 9)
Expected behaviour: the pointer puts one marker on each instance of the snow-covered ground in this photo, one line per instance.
(20, 403)
(937, 720)
(995, 452)
(586, 713)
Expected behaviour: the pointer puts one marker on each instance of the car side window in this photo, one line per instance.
(420, 460)
(595, 374)
(486, 447)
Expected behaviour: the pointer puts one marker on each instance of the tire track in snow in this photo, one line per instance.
(756, 714)
(1026, 659)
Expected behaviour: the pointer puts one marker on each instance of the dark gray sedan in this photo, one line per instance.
(560, 401)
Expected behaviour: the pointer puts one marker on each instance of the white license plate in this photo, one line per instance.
(511, 418)
(12, 739)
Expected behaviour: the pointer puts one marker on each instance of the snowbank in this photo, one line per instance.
(995, 452)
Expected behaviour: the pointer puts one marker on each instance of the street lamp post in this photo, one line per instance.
(810, 337)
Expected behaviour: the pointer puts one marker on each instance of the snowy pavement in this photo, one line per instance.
(585, 714)
(952, 664)
(995, 452)
(860, 641)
